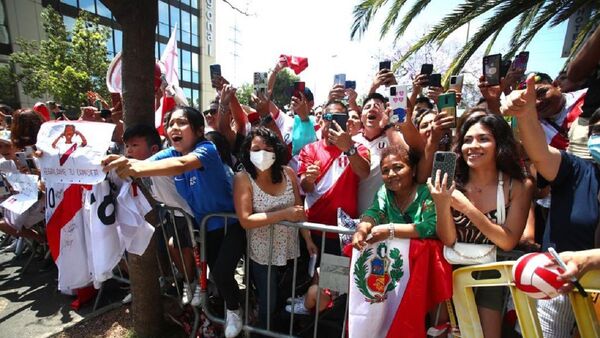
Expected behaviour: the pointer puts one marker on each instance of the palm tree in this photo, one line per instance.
(532, 15)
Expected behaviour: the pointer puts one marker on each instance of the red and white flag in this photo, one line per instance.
(392, 286)
(169, 61)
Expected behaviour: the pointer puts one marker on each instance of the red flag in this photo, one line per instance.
(296, 63)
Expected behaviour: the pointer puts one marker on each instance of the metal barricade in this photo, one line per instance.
(525, 307)
(330, 265)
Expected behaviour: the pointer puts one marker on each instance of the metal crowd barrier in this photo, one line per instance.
(525, 307)
(340, 267)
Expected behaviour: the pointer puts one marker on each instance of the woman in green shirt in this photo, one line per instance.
(402, 208)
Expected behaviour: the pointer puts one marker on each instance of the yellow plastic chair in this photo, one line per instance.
(585, 315)
(466, 309)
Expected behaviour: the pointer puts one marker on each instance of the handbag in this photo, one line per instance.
(470, 253)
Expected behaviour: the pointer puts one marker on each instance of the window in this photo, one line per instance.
(188, 93)
(69, 23)
(70, 2)
(174, 14)
(185, 21)
(195, 4)
(118, 40)
(102, 10)
(195, 60)
(195, 40)
(186, 62)
(195, 77)
(88, 5)
(194, 24)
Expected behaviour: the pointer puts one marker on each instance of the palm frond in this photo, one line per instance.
(491, 43)
(524, 21)
(390, 20)
(569, 9)
(501, 16)
(412, 13)
(363, 13)
(546, 14)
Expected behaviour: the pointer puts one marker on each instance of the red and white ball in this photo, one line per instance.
(535, 280)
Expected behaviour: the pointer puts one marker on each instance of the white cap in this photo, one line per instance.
(5, 136)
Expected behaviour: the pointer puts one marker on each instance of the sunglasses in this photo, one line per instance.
(210, 112)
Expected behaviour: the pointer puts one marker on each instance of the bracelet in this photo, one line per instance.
(388, 126)
(391, 236)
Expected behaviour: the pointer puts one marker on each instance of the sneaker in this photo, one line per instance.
(299, 309)
(233, 323)
(186, 294)
(299, 299)
(196, 297)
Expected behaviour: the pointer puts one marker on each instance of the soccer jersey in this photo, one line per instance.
(369, 186)
(336, 187)
(556, 128)
(207, 190)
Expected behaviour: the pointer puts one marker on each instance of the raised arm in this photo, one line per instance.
(586, 60)
(173, 166)
(521, 104)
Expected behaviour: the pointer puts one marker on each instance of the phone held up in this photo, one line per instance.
(385, 65)
(445, 162)
(456, 82)
(339, 79)
(426, 69)
(260, 83)
(491, 69)
(215, 71)
(397, 98)
(435, 80)
(447, 104)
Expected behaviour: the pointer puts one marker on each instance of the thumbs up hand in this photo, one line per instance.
(521, 102)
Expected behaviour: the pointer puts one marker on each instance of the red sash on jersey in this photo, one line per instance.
(561, 138)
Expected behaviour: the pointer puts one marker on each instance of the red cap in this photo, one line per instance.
(43, 110)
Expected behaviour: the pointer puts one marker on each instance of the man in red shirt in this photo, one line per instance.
(330, 171)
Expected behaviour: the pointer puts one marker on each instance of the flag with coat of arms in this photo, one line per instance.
(393, 284)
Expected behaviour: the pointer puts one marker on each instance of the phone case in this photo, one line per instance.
(445, 161)
(260, 82)
(215, 70)
(340, 119)
(435, 80)
(350, 84)
(521, 61)
(491, 69)
(397, 98)
(426, 68)
(456, 82)
(447, 103)
(385, 65)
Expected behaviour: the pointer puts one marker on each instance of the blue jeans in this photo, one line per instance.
(261, 278)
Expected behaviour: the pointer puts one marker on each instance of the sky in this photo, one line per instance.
(320, 30)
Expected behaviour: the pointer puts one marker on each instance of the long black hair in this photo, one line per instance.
(507, 154)
(195, 118)
(271, 140)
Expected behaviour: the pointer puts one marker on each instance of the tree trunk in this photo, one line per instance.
(138, 19)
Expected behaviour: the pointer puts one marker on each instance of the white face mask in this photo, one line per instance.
(262, 159)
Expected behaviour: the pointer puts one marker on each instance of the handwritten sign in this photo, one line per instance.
(26, 185)
(72, 151)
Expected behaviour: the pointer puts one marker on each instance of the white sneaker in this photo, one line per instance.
(299, 299)
(196, 297)
(186, 294)
(233, 323)
(299, 309)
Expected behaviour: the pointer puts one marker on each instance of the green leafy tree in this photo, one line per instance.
(66, 64)
(531, 16)
(8, 85)
(281, 91)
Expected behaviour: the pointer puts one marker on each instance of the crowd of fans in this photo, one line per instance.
(526, 178)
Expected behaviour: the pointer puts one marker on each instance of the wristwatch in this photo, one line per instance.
(350, 151)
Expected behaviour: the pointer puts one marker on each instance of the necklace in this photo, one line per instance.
(402, 205)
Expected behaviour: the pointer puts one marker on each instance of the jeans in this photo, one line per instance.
(261, 278)
(224, 253)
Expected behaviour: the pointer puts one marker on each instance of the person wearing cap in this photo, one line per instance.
(41, 109)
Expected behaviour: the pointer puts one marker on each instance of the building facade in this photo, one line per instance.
(195, 24)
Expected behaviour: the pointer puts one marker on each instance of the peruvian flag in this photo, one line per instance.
(169, 61)
(392, 286)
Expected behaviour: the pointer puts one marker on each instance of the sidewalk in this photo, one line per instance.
(31, 306)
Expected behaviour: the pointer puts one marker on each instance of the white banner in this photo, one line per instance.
(26, 185)
(73, 151)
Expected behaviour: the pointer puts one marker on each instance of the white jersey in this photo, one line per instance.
(66, 235)
(369, 186)
(163, 189)
(134, 231)
(105, 248)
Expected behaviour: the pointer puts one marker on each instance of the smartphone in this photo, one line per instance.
(350, 85)
(340, 119)
(491, 69)
(215, 70)
(260, 83)
(445, 161)
(385, 65)
(456, 82)
(435, 80)
(398, 103)
(339, 79)
(299, 87)
(426, 68)
(521, 60)
(447, 104)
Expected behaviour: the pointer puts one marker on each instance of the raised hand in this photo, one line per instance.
(521, 102)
